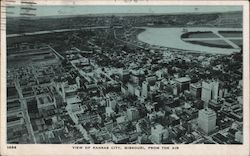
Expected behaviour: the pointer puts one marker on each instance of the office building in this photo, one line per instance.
(182, 84)
(158, 133)
(239, 136)
(207, 120)
(110, 102)
(132, 114)
(209, 91)
(195, 89)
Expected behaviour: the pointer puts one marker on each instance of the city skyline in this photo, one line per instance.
(130, 80)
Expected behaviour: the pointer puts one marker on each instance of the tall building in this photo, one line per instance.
(215, 90)
(158, 133)
(145, 89)
(109, 125)
(62, 89)
(195, 89)
(215, 105)
(239, 136)
(136, 76)
(125, 76)
(207, 120)
(132, 114)
(131, 88)
(78, 82)
(182, 84)
(111, 103)
(210, 90)
(138, 91)
(223, 92)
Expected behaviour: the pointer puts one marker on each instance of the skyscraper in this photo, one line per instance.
(132, 114)
(195, 89)
(182, 84)
(207, 120)
(111, 101)
(158, 133)
(209, 91)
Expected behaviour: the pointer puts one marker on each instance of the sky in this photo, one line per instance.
(83, 10)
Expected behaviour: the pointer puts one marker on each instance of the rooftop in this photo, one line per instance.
(183, 79)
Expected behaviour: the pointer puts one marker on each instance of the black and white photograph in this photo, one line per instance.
(124, 74)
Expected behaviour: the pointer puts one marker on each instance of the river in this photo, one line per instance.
(171, 37)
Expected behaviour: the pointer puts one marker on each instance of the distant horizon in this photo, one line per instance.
(55, 11)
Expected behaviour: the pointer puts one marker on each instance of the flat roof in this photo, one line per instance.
(183, 79)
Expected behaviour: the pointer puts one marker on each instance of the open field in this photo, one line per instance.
(198, 34)
(231, 33)
(212, 43)
(238, 42)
